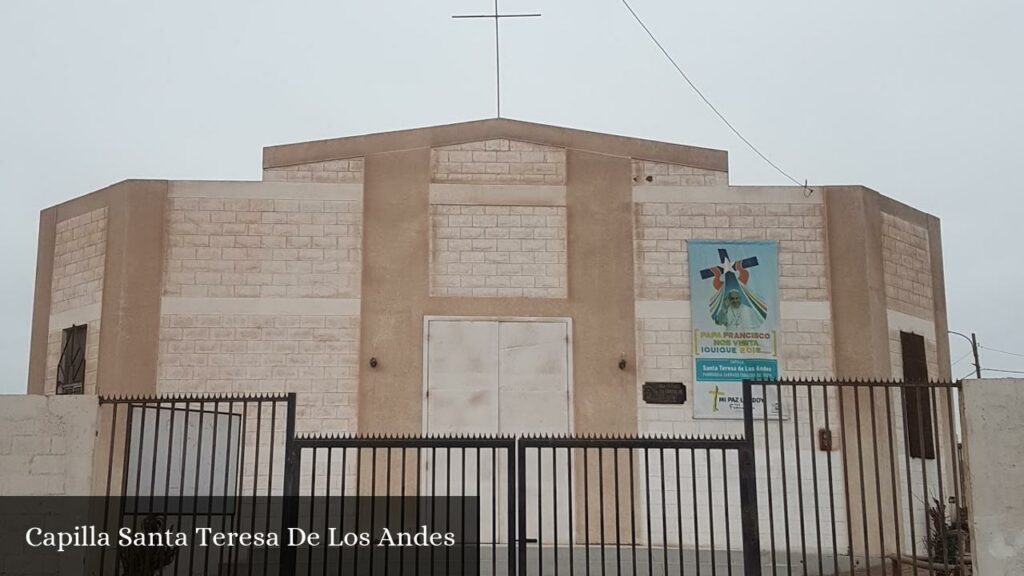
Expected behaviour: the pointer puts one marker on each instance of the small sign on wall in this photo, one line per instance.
(664, 393)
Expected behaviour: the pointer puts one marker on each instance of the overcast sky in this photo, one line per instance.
(920, 100)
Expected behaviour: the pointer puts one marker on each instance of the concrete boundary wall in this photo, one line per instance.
(47, 445)
(995, 473)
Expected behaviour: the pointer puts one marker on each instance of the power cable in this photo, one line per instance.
(808, 191)
(1000, 351)
(969, 352)
(1003, 371)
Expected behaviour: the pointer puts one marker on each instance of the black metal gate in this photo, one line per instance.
(185, 462)
(859, 477)
(840, 478)
(553, 505)
(621, 505)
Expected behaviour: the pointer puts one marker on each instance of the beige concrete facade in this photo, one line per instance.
(347, 245)
(991, 408)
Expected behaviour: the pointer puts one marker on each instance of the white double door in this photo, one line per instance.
(507, 377)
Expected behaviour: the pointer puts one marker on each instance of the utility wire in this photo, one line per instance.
(1000, 351)
(708, 102)
(966, 375)
(969, 352)
(1003, 371)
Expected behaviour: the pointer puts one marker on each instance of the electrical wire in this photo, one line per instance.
(1003, 371)
(708, 102)
(961, 358)
(966, 375)
(1000, 351)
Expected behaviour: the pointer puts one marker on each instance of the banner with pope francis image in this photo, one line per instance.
(734, 301)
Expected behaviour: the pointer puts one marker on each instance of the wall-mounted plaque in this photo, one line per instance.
(664, 393)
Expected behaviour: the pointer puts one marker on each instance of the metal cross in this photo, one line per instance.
(497, 16)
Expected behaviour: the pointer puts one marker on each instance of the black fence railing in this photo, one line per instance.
(186, 462)
(844, 478)
(860, 477)
(465, 485)
(635, 505)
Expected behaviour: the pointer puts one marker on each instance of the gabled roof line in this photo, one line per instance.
(477, 130)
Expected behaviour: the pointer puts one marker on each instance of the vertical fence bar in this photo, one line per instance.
(785, 482)
(270, 470)
(618, 532)
(693, 497)
(110, 473)
(938, 467)
(711, 513)
(290, 502)
(728, 527)
(924, 476)
(494, 515)
(878, 477)
(894, 472)
(554, 503)
(956, 466)
(679, 515)
(600, 502)
(814, 478)
(327, 504)
(799, 475)
(910, 487)
(749, 524)
(195, 488)
(831, 484)
(540, 513)
(768, 473)
(650, 531)
(227, 473)
(632, 510)
(863, 489)
(521, 491)
(586, 508)
(213, 470)
(846, 474)
(664, 507)
(569, 495)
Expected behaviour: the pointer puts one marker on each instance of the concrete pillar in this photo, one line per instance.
(995, 471)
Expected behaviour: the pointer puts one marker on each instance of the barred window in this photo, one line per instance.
(917, 408)
(71, 366)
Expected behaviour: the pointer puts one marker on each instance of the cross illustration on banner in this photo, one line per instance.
(715, 394)
(737, 268)
(497, 16)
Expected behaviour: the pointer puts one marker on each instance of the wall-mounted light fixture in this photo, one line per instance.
(622, 363)
(373, 362)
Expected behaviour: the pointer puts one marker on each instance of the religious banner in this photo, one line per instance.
(734, 303)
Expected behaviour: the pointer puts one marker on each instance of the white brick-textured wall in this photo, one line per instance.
(662, 229)
(54, 346)
(498, 161)
(648, 173)
(76, 296)
(263, 248)
(907, 263)
(46, 445)
(78, 259)
(315, 356)
(331, 171)
(498, 251)
(666, 354)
